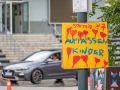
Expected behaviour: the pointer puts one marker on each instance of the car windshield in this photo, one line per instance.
(39, 56)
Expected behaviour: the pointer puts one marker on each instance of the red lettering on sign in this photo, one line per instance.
(103, 26)
(73, 32)
(68, 30)
(95, 32)
(69, 50)
(96, 61)
(85, 59)
(105, 64)
(75, 60)
(80, 34)
(85, 32)
(103, 35)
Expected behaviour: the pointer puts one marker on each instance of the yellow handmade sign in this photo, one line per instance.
(84, 45)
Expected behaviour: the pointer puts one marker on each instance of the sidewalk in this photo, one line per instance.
(41, 88)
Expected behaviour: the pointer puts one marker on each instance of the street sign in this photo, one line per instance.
(84, 45)
(79, 6)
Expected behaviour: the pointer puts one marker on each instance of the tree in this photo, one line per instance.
(111, 2)
(111, 15)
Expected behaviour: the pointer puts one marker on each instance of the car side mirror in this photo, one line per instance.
(48, 60)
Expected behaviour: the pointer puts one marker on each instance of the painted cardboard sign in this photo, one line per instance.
(98, 79)
(113, 78)
(84, 45)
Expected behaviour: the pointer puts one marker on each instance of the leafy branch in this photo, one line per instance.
(111, 15)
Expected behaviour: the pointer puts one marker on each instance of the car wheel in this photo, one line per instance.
(36, 76)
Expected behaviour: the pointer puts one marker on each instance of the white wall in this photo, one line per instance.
(37, 10)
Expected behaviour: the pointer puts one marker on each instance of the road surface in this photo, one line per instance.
(44, 83)
(69, 84)
(41, 88)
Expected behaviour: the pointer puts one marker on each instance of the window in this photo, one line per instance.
(61, 11)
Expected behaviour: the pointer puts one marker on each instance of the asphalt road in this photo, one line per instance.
(71, 82)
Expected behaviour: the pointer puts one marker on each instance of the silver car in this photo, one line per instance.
(37, 67)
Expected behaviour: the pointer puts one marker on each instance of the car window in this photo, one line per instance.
(54, 57)
(39, 56)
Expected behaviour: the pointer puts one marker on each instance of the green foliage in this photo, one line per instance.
(111, 2)
(74, 18)
(94, 7)
(111, 15)
(112, 55)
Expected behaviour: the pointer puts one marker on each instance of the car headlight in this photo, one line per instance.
(22, 69)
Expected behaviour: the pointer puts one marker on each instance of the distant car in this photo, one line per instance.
(37, 67)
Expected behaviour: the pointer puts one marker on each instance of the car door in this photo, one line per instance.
(54, 69)
(67, 72)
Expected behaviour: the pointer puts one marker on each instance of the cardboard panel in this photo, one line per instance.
(113, 78)
(85, 45)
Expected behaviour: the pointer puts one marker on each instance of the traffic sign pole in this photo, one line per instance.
(82, 73)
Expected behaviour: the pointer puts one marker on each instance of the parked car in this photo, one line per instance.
(37, 67)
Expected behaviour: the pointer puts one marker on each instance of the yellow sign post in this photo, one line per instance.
(84, 45)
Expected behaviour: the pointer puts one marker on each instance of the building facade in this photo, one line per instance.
(35, 16)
